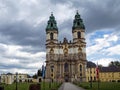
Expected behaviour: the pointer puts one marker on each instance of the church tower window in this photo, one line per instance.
(52, 68)
(79, 34)
(78, 23)
(51, 24)
(51, 36)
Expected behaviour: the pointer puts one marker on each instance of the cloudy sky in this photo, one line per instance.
(23, 23)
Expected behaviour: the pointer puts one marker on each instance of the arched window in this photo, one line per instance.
(94, 78)
(79, 34)
(51, 24)
(51, 36)
(78, 23)
(66, 67)
(81, 68)
(52, 67)
(80, 74)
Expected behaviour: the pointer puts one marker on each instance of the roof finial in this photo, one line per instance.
(77, 11)
(51, 13)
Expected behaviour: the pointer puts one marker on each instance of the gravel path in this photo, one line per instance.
(69, 86)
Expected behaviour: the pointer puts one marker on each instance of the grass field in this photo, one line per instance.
(102, 86)
(25, 86)
(47, 86)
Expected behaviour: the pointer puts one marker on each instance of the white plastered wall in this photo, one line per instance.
(82, 35)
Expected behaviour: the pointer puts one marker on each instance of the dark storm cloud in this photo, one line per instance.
(102, 16)
(65, 30)
(24, 34)
(58, 1)
(96, 14)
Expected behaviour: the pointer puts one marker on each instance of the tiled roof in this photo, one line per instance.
(91, 64)
(9, 74)
(109, 69)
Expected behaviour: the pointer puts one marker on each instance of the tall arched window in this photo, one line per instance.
(52, 67)
(79, 34)
(66, 67)
(51, 36)
(81, 68)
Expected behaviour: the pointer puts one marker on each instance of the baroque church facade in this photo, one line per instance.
(66, 60)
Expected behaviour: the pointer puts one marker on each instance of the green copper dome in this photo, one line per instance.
(51, 25)
(78, 22)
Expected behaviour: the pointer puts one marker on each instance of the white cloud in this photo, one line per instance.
(115, 50)
(64, 12)
(10, 57)
(100, 43)
(24, 71)
(15, 50)
(103, 49)
(104, 61)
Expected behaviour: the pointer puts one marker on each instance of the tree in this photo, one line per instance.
(28, 76)
(100, 65)
(114, 63)
(39, 73)
(34, 76)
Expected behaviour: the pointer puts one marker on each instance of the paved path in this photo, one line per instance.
(69, 86)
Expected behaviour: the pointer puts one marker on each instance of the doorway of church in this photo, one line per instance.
(66, 78)
(40, 80)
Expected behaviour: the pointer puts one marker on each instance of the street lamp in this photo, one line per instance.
(16, 80)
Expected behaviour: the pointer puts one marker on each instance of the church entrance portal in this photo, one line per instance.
(66, 78)
(66, 70)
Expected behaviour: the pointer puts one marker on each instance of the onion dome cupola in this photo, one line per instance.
(51, 25)
(51, 30)
(78, 22)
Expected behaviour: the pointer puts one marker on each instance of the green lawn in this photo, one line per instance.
(21, 86)
(25, 86)
(102, 86)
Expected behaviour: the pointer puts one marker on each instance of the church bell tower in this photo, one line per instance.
(51, 30)
(78, 29)
(51, 44)
(78, 32)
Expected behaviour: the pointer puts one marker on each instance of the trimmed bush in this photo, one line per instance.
(86, 87)
(34, 87)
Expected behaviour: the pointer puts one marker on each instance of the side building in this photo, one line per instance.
(91, 72)
(10, 78)
(109, 74)
(106, 74)
(66, 60)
